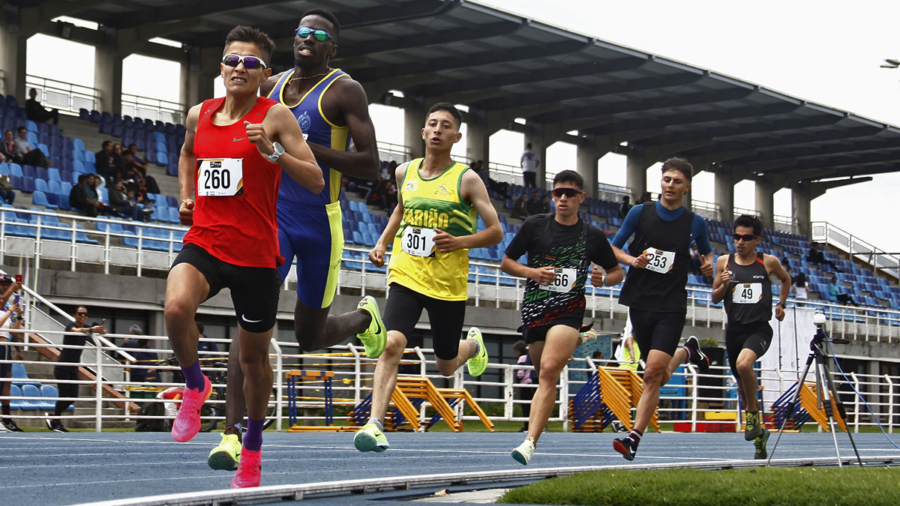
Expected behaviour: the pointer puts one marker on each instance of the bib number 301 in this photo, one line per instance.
(222, 177)
(418, 242)
(660, 261)
(565, 280)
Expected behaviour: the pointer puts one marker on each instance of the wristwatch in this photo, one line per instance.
(782, 304)
(279, 150)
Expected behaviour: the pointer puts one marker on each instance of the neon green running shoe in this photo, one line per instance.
(370, 439)
(227, 455)
(760, 444)
(522, 454)
(753, 429)
(375, 337)
(477, 364)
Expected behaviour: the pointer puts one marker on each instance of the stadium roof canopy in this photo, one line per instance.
(506, 66)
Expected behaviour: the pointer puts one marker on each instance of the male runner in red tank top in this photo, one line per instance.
(229, 172)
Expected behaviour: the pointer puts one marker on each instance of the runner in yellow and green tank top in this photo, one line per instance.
(430, 204)
(432, 230)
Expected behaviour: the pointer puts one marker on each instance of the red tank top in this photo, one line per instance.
(240, 229)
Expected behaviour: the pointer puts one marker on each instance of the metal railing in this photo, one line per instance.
(879, 259)
(708, 210)
(787, 224)
(389, 152)
(496, 391)
(152, 108)
(505, 173)
(66, 97)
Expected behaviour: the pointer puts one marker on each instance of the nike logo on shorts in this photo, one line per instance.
(244, 317)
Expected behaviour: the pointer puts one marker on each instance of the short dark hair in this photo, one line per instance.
(327, 15)
(7, 130)
(200, 327)
(681, 165)
(520, 347)
(21, 128)
(446, 106)
(748, 220)
(569, 176)
(252, 35)
(106, 143)
(128, 152)
(528, 145)
(82, 178)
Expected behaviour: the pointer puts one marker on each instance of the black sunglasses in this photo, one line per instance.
(250, 62)
(81, 314)
(743, 237)
(568, 192)
(319, 34)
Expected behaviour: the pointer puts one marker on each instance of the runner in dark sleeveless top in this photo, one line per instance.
(560, 249)
(229, 172)
(654, 289)
(743, 283)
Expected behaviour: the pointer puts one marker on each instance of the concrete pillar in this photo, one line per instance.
(765, 204)
(586, 165)
(725, 194)
(478, 138)
(801, 197)
(108, 73)
(414, 119)
(636, 175)
(13, 45)
(688, 199)
(198, 75)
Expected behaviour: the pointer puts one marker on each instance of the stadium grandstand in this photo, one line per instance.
(567, 87)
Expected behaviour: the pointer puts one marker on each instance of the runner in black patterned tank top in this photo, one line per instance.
(560, 249)
(743, 283)
(654, 289)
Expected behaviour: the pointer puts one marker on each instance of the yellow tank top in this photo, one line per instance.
(429, 204)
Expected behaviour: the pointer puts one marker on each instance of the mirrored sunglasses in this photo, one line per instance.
(319, 35)
(250, 62)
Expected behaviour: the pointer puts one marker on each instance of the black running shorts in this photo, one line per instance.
(656, 331)
(404, 307)
(254, 290)
(535, 334)
(754, 336)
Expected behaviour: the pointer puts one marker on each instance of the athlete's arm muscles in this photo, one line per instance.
(629, 225)
(364, 161)
(773, 266)
(187, 165)
(376, 254)
(542, 275)
(721, 281)
(297, 161)
(472, 190)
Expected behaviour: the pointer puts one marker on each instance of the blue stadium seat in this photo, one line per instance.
(64, 201)
(16, 170)
(41, 185)
(4, 169)
(90, 158)
(28, 184)
(162, 159)
(18, 402)
(20, 376)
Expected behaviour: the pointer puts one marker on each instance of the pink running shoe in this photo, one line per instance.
(187, 422)
(249, 469)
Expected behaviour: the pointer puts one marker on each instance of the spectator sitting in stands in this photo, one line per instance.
(36, 112)
(120, 202)
(545, 204)
(141, 167)
(26, 153)
(534, 205)
(83, 197)
(519, 209)
(798, 286)
(8, 146)
(137, 160)
(7, 192)
(138, 199)
(817, 256)
(625, 206)
(835, 291)
(390, 196)
(117, 153)
(105, 165)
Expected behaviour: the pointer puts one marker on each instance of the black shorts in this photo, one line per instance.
(404, 307)
(754, 336)
(535, 334)
(656, 331)
(254, 290)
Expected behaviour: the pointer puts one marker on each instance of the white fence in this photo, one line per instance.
(888, 262)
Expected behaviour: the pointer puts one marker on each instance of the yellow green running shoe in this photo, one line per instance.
(477, 364)
(227, 455)
(760, 444)
(375, 337)
(370, 439)
(753, 428)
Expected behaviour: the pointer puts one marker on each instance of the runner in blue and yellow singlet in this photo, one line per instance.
(331, 108)
(432, 230)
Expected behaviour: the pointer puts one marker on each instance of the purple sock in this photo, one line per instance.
(253, 437)
(636, 437)
(193, 376)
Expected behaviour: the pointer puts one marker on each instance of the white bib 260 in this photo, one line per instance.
(746, 293)
(660, 261)
(418, 242)
(565, 280)
(220, 177)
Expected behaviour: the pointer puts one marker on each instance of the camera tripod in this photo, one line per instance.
(820, 357)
